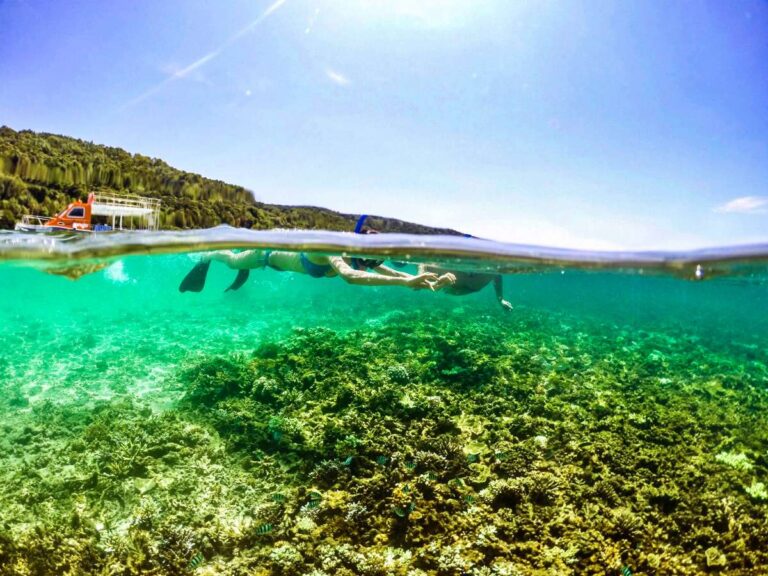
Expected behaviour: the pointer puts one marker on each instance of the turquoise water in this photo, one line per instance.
(614, 419)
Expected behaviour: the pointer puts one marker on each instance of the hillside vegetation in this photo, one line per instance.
(40, 173)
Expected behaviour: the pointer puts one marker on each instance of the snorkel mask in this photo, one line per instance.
(364, 263)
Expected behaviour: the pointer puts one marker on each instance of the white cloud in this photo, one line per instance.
(337, 77)
(745, 205)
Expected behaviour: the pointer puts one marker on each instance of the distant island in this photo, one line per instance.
(41, 173)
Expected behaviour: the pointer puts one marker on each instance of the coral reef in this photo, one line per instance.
(433, 445)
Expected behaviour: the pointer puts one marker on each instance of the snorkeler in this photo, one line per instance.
(352, 270)
(467, 282)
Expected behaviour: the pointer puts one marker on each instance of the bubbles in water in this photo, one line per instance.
(116, 273)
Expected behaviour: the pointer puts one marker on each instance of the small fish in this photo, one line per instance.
(196, 561)
(399, 512)
(278, 497)
(264, 529)
(348, 461)
(469, 499)
(410, 464)
(625, 571)
(472, 458)
(382, 460)
(431, 476)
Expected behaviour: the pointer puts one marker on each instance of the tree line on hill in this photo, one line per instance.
(41, 173)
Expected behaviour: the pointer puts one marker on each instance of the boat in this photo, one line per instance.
(99, 213)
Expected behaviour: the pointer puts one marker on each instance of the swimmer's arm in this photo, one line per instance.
(387, 271)
(498, 286)
(364, 278)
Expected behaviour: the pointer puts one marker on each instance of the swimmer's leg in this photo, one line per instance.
(245, 260)
(242, 261)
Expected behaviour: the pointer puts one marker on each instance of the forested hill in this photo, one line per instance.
(41, 173)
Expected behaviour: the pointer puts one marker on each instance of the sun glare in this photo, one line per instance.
(429, 13)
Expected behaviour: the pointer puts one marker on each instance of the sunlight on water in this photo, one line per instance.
(614, 418)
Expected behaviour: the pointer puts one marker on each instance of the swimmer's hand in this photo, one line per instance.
(447, 279)
(506, 305)
(420, 281)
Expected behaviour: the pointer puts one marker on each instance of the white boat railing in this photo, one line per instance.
(30, 220)
(117, 202)
(124, 206)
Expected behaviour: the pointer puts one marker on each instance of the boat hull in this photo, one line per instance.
(41, 228)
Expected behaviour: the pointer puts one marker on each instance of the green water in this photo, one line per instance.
(301, 426)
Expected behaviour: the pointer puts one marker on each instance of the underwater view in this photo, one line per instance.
(601, 417)
(384, 288)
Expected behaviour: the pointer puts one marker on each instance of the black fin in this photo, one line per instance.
(195, 280)
(242, 276)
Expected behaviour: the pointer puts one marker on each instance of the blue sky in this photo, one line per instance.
(599, 124)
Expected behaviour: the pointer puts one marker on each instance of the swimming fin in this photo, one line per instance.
(195, 280)
(242, 276)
